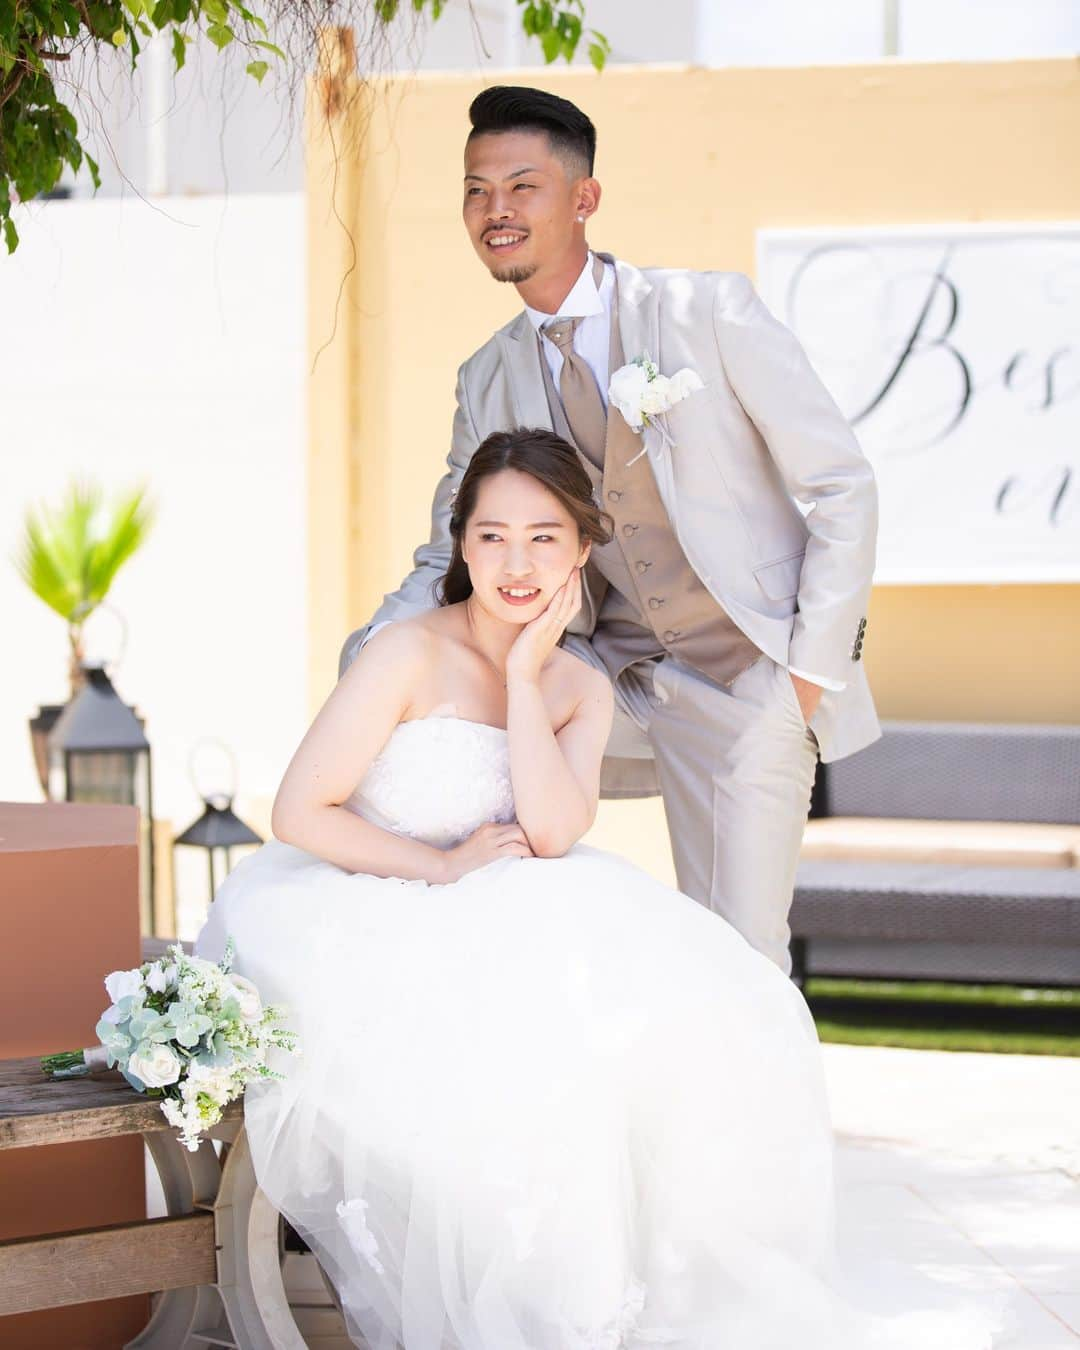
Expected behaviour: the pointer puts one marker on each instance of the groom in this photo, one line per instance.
(730, 621)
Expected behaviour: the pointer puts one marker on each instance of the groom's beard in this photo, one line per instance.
(516, 274)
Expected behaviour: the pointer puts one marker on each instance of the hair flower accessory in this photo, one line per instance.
(642, 394)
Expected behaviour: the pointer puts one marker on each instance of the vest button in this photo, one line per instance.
(614, 496)
(671, 634)
(629, 529)
(643, 566)
(655, 602)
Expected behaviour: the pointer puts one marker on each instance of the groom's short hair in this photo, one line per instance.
(515, 107)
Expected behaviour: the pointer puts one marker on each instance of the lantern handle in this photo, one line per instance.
(109, 666)
(202, 744)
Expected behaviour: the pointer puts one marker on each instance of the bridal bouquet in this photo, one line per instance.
(185, 1030)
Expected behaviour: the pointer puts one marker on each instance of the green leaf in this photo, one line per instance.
(257, 69)
(220, 35)
(119, 38)
(269, 46)
(11, 234)
(70, 557)
(216, 10)
(551, 41)
(179, 48)
(94, 173)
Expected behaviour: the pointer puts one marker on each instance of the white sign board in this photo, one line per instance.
(954, 351)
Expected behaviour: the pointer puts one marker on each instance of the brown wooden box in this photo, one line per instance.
(69, 909)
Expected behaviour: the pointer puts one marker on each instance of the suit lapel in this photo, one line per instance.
(521, 358)
(638, 331)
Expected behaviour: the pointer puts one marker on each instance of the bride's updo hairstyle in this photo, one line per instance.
(547, 458)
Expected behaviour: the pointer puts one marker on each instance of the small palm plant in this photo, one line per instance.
(70, 557)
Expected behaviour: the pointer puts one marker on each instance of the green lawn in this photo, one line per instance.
(931, 1016)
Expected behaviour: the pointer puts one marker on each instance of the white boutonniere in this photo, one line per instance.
(642, 394)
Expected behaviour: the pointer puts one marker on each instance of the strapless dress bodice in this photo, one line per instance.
(438, 779)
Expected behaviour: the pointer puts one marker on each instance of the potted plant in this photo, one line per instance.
(69, 557)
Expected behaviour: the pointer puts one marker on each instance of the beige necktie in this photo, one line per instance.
(577, 388)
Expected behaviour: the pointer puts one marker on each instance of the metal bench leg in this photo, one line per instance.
(184, 1319)
(798, 962)
(248, 1307)
(249, 1259)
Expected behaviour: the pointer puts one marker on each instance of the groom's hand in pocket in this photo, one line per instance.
(808, 694)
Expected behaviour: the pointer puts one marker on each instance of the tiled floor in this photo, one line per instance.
(972, 1162)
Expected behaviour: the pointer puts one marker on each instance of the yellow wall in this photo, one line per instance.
(692, 162)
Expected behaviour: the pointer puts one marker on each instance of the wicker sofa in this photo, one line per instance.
(945, 851)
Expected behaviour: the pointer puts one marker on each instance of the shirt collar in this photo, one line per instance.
(584, 299)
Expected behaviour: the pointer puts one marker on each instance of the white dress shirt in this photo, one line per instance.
(592, 338)
(591, 341)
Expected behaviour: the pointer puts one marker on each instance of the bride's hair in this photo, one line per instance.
(547, 458)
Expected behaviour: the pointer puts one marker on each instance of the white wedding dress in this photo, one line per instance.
(555, 1105)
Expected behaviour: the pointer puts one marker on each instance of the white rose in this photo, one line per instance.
(248, 997)
(157, 1067)
(627, 386)
(155, 978)
(121, 983)
(684, 382)
(656, 397)
(214, 1081)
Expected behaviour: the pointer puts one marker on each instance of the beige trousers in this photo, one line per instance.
(736, 766)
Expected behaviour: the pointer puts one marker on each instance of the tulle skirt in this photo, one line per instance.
(555, 1105)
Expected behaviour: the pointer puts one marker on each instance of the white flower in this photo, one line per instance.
(121, 983)
(625, 391)
(156, 980)
(656, 396)
(217, 1083)
(684, 382)
(156, 1066)
(641, 393)
(248, 998)
(351, 1217)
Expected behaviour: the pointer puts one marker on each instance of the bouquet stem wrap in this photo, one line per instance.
(77, 1063)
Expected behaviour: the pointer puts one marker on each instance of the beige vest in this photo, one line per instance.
(655, 602)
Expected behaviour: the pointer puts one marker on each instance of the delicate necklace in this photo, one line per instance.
(479, 646)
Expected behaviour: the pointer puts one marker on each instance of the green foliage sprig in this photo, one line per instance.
(39, 135)
(69, 557)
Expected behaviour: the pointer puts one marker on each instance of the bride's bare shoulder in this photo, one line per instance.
(399, 645)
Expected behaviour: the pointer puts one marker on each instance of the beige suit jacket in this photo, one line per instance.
(762, 438)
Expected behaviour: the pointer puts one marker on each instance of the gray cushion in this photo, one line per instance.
(962, 771)
(937, 901)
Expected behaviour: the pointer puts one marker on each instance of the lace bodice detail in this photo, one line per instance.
(438, 779)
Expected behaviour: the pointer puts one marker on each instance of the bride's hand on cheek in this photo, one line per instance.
(536, 641)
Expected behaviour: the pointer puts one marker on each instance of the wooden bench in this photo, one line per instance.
(215, 1259)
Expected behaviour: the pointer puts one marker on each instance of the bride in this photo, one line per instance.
(544, 1101)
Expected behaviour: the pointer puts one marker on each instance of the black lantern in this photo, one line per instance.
(218, 830)
(98, 752)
